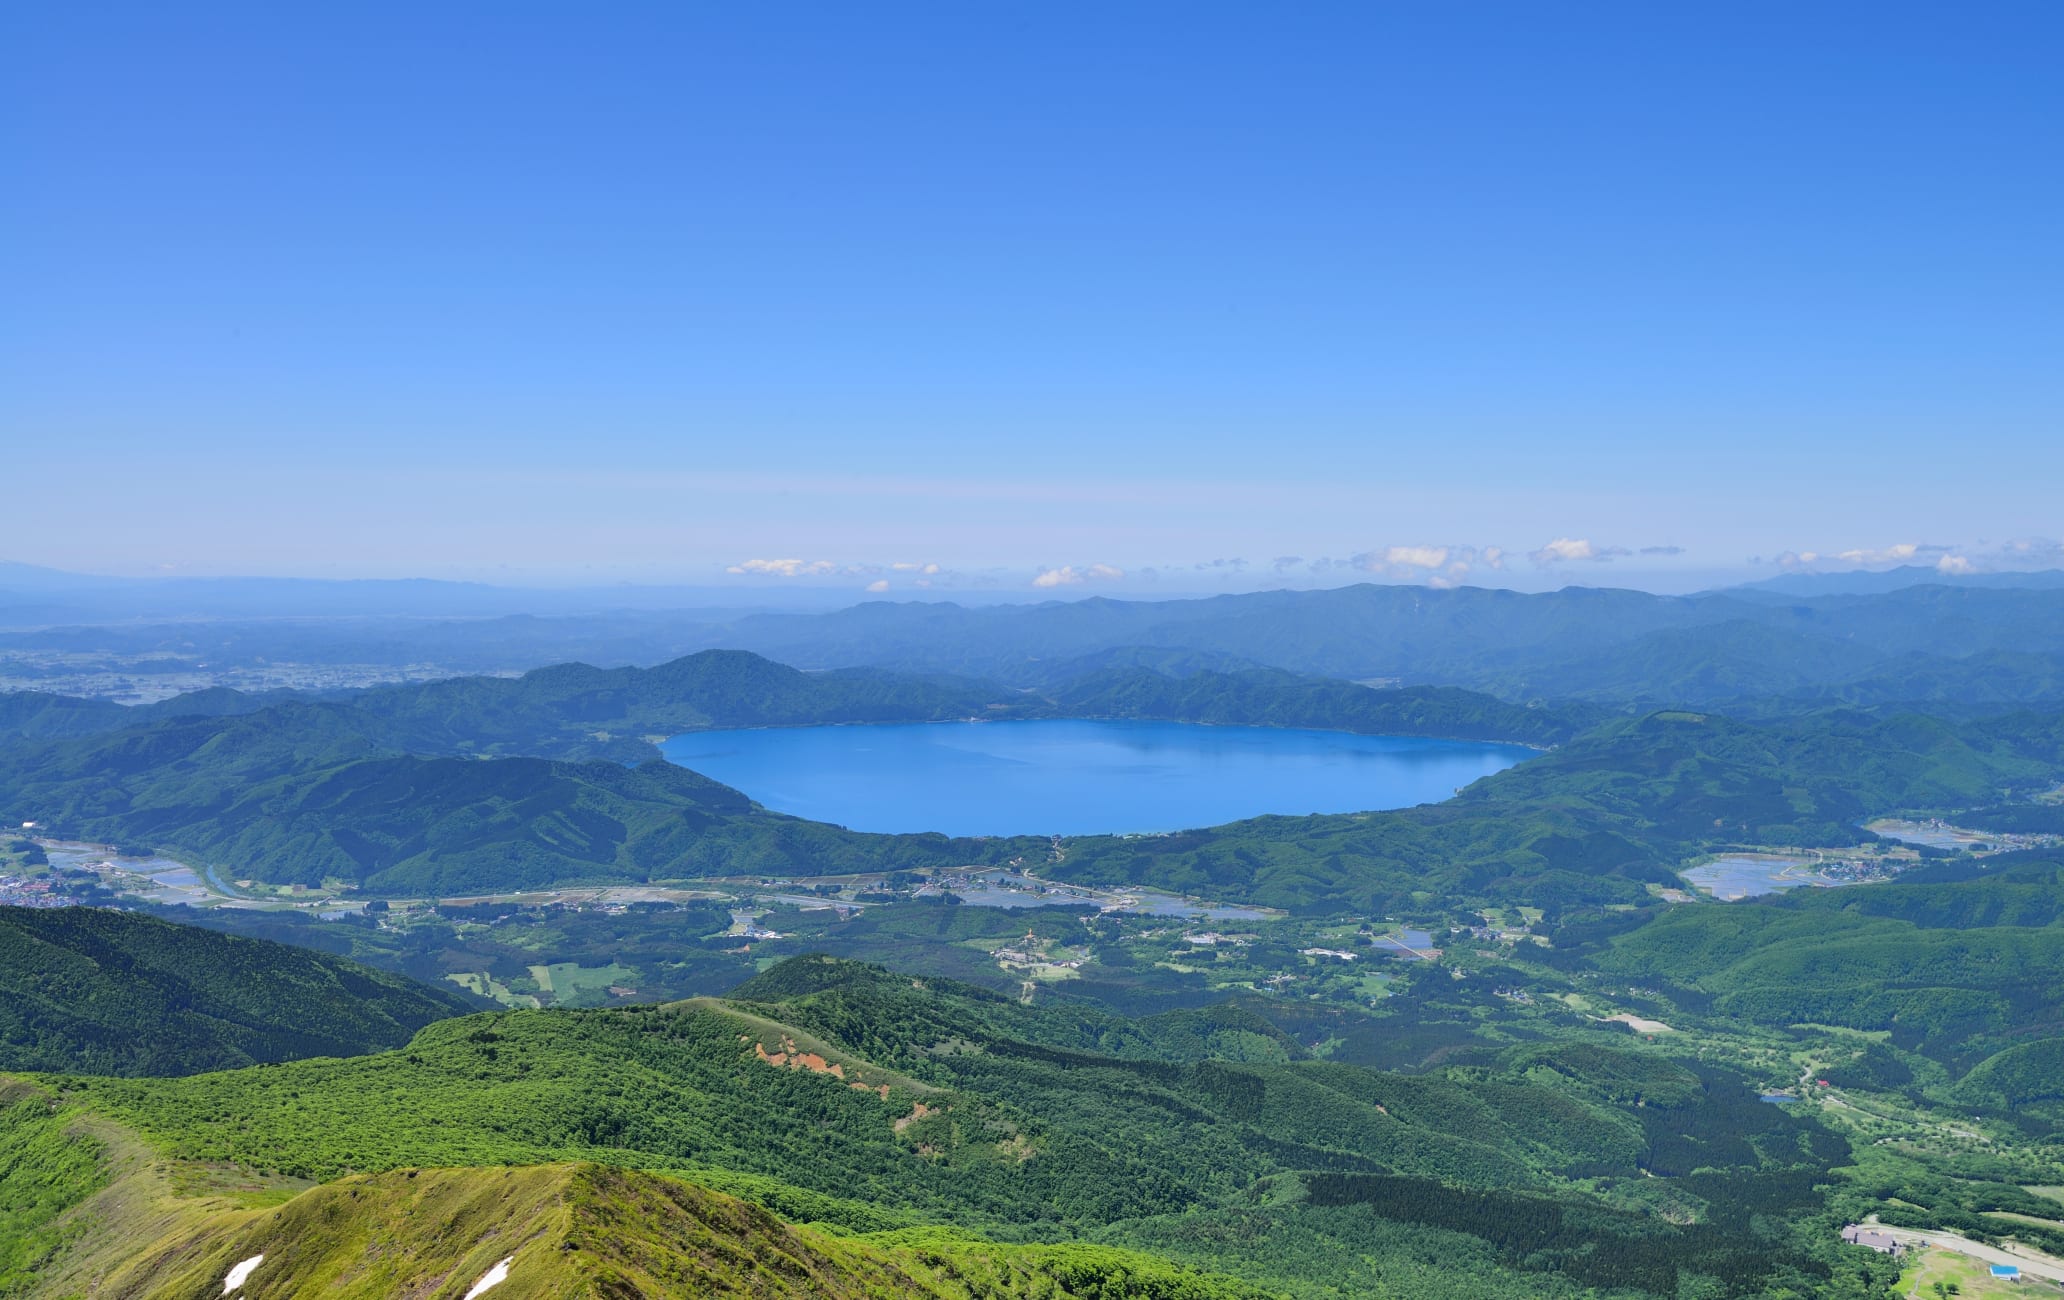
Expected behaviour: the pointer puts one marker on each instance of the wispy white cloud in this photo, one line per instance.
(1435, 565)
(784, 568)
(1950, 560)
(2024, 551)
(1416, 557)
(1068, 575)
(878, 586)
(1565, 550)
(829, 569)
(1898, 553)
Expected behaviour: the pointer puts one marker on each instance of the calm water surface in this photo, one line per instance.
(1077, 778)
(1745, 876)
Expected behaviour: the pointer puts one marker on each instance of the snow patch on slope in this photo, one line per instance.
(493, 1277)
(241, 1274)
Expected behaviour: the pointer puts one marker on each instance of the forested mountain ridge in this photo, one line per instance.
(1518, 645)
(308, 792)
(107, 1222)
(1275, 698)
(1732, 647)
(386, 791)
(1601, 818)
(406, 825)
(578, 712)
(89, 990)
(853, 1097)
(38, 715)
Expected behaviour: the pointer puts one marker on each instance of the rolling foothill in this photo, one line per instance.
(1745, 927)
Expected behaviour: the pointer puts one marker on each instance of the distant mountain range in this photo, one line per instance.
(1869, 582)
(1605, 646)
(1948, 645)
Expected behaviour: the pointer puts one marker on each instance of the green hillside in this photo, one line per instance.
(302, 794)
(91, 1211)
(1598, 819)
(94, 991)
(573, 710)
(872, 1103)
(1955, 970)
(1273, 698)
(38, 715)
(386, 792)
(294, 803)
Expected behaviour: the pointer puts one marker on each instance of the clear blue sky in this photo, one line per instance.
(547, 291)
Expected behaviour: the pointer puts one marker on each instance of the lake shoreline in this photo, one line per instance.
(1079, 776)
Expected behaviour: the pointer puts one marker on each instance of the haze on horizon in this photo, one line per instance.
(1162, 299)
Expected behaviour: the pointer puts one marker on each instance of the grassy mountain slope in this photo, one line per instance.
(116, 993)
(591, 1231)
(92, 1210)
(848, 1095)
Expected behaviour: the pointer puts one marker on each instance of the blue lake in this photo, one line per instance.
(1077, 778)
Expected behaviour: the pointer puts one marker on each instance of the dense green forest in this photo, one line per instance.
(116, 993)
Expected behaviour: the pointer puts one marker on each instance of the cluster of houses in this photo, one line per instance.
(25, 891)
(1028, 953)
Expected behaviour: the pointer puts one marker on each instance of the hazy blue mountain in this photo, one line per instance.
(1600, 645)
(40, 715)
(1575, 643)
(1859, 582)
(1416, 633)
